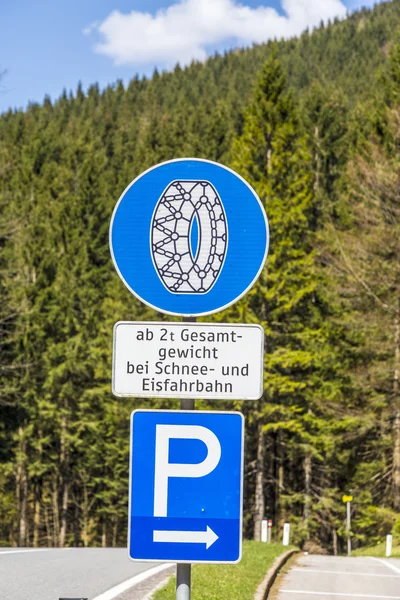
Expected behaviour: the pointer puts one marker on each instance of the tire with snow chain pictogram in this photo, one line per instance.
(182, 268)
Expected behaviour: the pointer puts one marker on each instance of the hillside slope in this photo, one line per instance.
(326, 421)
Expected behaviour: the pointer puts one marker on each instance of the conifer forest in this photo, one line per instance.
(313, 124)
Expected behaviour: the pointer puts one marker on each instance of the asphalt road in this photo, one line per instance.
(340, 578)
(70, 573)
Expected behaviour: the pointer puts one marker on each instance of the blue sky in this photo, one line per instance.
(48, 45)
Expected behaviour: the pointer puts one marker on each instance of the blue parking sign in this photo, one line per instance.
(186, 480)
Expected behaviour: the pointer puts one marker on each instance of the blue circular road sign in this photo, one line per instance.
(189, 237)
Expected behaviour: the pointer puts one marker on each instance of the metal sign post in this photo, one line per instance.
(188, 237)
(348, 528)
(184, 571)
(183, 581)
(348, 500)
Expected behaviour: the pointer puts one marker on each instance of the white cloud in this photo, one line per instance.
(90, 28)
(188, 29)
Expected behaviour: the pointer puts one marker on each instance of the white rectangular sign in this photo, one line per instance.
(188, 360)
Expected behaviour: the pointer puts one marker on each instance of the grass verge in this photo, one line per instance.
(228, 582)
(379, 551)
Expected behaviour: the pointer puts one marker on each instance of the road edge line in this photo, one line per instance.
(135, 580)
(386, 563)
(159, 586)
(268, 581)
(25, 551)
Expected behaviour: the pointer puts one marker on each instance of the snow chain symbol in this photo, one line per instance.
(189, 237)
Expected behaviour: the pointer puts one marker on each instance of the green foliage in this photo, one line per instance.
(396, 529)
(373, 524)
(308, 122)
(302, 366)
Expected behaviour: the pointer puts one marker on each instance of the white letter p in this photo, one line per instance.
(164, 469)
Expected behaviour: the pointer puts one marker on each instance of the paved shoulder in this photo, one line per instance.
(70, 573)
(333, 578)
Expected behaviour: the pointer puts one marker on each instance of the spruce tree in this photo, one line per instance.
(272, 154)
(370, 254)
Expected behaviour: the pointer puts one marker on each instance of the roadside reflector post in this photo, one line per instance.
(269, 531)
(286, 534)
(348, 528)
(264, 531)
(389, 545)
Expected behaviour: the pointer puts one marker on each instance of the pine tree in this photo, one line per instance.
(272, 154)
(366, 255)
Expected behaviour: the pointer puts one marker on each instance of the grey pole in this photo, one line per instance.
(184, 571)
(183, 577)
(348, 528)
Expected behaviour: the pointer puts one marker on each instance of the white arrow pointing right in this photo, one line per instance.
(207, 537)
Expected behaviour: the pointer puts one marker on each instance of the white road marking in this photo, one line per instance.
(342, 595)
(155, 589)
(23, 551)
(126, 585)
(387, 564)
(305, 570)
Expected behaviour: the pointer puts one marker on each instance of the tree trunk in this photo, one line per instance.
(396, 427)
(115, 533)
(85, 516)
(22, 514)
(22, 489)
(307, 494)
(64, 510)
(280, 486)
(307, 485)
(64, 479)
(49, 533)
(335, 547)
(36, 520)
(259, 503)
(38, 498)
(316, 160)
(77, 531)
(56, 516)
(279, 477)
(104, 534)
(269, 157)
